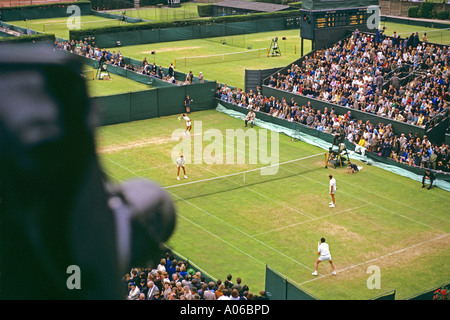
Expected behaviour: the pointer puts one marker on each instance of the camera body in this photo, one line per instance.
(58, 209)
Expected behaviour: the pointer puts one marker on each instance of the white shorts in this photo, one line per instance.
(325, 258)
(188, 124)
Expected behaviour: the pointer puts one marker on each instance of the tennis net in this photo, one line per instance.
(218, 58)
(268, 178)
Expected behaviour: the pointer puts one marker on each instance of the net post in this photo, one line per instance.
(326, 159)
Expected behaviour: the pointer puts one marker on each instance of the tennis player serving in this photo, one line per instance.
(188, 123)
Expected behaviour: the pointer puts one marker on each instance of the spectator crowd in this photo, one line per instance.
(406, 148)
(402, 79)
(111, 57)
(176, 280)
(364, 72)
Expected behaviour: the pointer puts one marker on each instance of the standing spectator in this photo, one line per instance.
(187, 104)
(416, 40)
(200, 78)
(170, 72)
(395, 81)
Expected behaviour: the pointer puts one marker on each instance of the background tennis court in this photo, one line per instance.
(58, 26)
(228, 226)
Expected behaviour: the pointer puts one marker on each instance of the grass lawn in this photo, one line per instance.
(116, 85)
(228, 225)
(229, 72)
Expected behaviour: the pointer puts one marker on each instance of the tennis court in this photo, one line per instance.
(114, 85)
(162, 13)
(232, 219)
(60, 26)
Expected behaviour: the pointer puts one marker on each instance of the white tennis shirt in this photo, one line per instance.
(333, 184)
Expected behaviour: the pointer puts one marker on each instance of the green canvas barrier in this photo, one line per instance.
(385, 296)
(336, 4)
(42, 11)
(270, 25)
(162, 101)
(171, 100)
(428, 294)
(150, 36)
(202, 95)
(136, 37)
(144, 105)
(113, 109)
(176, 34)
(275, 286)
(278, 287)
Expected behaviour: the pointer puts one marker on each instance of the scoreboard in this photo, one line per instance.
(325, 27)
(334, 18)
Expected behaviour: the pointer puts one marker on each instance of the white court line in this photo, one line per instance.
(216, 236)
(206, 213)
(262, 195)
(300, 262)
(241, 172)
(244, 233)
(313, 219)
(394, 200)
(374, 259)
(396, 213)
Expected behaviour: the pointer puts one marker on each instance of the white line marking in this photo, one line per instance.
(374, 259)
(313, 219)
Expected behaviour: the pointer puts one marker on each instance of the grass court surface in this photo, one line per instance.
(226, 225)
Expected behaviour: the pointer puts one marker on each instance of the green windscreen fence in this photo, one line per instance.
(336, 4)
(385, 296)
(163, 101)
(144, 36)
(43, 11)
(278, 287)
(429, 294)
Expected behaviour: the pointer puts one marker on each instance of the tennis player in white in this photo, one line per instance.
(188, 123)
(323, 251)
(180, 164)
(332, 191)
